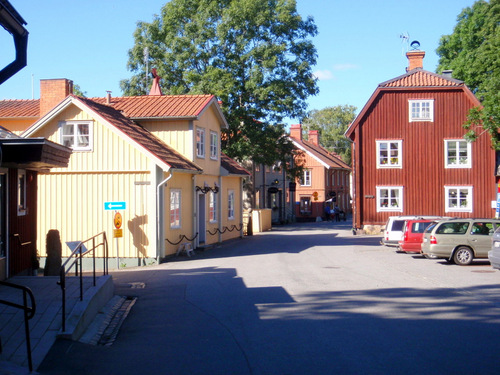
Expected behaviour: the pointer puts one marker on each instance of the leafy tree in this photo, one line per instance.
(472, 51)
(78, 91)
(254, 55)
(332, 123)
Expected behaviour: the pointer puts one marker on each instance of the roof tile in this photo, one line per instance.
(20, 108)
(159, 106)
(421, 78)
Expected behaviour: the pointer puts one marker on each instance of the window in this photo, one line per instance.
(305, 206)
(175, 208)
(482, 229)
(306, 178)
(457, 154)
(213, 206)
(458, 198)
(77, 135)
(230, 205)
(200, 142)
(389, 154)
(421, 110)
(390, 198)
(214, 145)
(453, 228)
(21, 193)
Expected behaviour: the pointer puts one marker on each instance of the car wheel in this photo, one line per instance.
(463, 256)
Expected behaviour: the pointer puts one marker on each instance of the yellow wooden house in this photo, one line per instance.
(154, 159)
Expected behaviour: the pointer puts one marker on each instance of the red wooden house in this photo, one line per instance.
(325, 181)
(409, 153)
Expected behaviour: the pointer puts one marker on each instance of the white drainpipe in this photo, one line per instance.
(158, 221)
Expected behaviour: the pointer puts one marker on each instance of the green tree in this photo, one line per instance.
(255, 56)
(332, 123)
(472, 52)
(78, 91)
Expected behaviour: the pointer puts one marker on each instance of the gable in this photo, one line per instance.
(138, 138)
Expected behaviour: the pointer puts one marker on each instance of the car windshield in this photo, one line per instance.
(430, 228)
(397, 225)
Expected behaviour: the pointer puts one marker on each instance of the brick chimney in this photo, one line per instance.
(296, 131)
(314, 137)
(52, 92)
(415, 59)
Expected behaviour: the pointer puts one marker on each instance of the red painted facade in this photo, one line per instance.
(422, 175)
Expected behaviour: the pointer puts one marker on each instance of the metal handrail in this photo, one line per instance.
(76, 260)
(29, 312)
(21, 243)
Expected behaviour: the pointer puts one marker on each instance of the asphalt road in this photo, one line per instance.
(302, 299)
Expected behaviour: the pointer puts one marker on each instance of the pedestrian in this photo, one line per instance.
(327, 212)
(336, 213)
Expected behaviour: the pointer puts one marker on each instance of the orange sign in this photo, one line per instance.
(117, 233)
(118, 220)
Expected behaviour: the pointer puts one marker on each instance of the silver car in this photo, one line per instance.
(494, 253)
(459, 240)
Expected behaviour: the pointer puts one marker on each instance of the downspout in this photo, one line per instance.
(219, 203)
(158, 221)
(242, 181)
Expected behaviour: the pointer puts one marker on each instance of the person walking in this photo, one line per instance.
(336, 213)
(327, 212)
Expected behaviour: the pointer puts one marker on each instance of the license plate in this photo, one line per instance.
(496, 244)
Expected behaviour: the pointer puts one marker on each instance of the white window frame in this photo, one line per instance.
(459, 206)
(230, 205)
(175, 208)
(22, 206)
(381, 207)
(200, 142)
(74, 137)
(418, 105)
(214, 145)
(212, 207)
(306, 178)
(390, 162)
(468, 161)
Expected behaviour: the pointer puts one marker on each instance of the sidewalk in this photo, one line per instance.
(46, 324)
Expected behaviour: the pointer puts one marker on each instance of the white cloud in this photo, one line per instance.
(323, 75)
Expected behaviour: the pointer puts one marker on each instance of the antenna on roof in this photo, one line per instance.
(146, 61)
(406, 42)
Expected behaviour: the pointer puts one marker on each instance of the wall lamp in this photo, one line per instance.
(206, 188)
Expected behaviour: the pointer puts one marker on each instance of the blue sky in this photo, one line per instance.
(358, 45)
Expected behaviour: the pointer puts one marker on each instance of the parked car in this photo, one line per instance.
(459, 240)
(394, 228)
(494, 253)
(413, 233)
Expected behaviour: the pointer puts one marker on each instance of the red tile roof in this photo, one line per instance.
(329, 158)
(19, 108)
(142, 136)
(421, 78)
(232, 166)
(178, 106)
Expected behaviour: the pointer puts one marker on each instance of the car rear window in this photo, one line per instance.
(419, 227)
(397, 225)
(453, 228)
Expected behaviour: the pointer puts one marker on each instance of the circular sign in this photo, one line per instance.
(118, 220)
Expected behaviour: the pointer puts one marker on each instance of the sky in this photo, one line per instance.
(359, 43)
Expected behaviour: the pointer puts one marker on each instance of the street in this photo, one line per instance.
(305, 298)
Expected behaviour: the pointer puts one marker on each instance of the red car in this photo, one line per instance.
(413, 232)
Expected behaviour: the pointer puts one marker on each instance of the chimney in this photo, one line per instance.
(296, 131)
(108, 97)
(415, 59)
(314, 137)
(447, 73)
(52, 92)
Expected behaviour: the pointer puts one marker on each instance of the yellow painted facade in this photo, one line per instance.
(117, 169)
